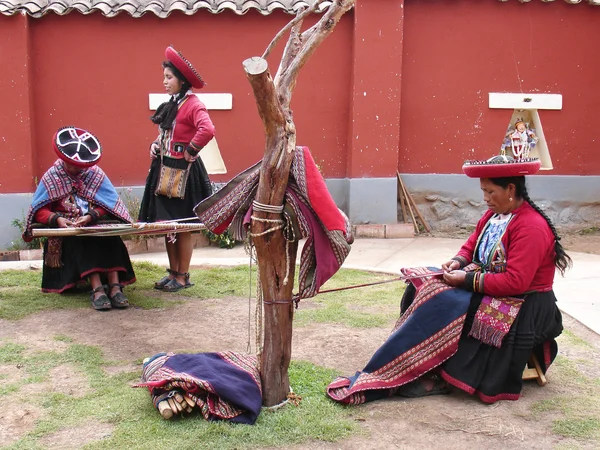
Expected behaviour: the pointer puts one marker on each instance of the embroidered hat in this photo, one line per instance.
(501, 166)
(185, 67)
(517, 155)
(77, 146)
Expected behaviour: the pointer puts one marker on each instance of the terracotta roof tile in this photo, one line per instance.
(137, 8)
(162, 8)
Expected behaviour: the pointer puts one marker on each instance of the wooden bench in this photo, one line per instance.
(533, 371)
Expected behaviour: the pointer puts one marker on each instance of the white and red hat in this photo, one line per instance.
(501, 166)
(77, 146)
(185, 67)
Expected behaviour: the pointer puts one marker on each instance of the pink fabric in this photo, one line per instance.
(319, 197)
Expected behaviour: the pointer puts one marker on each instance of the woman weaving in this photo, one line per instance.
(75, 192)
(476, 326)
(177, 180)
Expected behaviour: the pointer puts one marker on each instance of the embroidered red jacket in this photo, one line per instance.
(192, 126)
(529, 246)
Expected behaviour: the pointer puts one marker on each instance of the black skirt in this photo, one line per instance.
(496, 373)
(155, 208)
(82, 256)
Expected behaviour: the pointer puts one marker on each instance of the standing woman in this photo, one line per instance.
(178, 180)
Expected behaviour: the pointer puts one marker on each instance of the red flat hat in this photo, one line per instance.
(185, 67)
(501, 166)
(77, 147)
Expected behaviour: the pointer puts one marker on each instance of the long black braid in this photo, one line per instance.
(165, 113)
(562, 261)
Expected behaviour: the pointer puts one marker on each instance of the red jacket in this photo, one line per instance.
(192, 126)
(529, 245)
(48, 214)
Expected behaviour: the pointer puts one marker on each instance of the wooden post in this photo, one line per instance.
(276, 257)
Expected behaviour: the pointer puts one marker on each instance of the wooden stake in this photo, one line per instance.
(411, 200)
(401, 198)
(412, 216)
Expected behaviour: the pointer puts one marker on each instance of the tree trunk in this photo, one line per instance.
(276, 257)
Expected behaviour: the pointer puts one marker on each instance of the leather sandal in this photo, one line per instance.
(160, 284)
(418, 388)
(102, 302)
(187, 280)
(118, 300)
(174, 285)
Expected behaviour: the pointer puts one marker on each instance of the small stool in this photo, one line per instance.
(534, 371)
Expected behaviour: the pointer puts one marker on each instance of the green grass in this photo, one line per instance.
(590, 230)
(354, 307)
(137, 425)
(572, 339)
(372, 306)
(580, 411)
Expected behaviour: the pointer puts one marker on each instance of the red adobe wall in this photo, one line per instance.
(398, 85)
(96, 72)
(15, 109)
(456, 52)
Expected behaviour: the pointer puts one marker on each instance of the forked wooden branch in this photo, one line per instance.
(309, 41)
(298, 19)
(276, 257)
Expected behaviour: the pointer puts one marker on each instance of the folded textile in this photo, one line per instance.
(224, 385)
(327, 230)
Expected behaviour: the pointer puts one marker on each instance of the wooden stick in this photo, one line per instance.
(179, 397)
(541, 378)
(189, 401)
(173, 405)
(401, 195)
(412, 216)
(410, 198)
(164, 409)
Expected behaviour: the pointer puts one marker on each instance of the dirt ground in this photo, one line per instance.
(454, 421)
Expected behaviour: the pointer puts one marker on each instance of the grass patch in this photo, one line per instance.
(572, 339)
(587, 231)
(137, 425)
(353, 307)
(372, 306)
(580, 409)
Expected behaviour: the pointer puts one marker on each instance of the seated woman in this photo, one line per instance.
(74, 192)
(476, 326)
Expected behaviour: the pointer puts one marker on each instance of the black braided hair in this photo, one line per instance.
(562, 261)
(165, 113)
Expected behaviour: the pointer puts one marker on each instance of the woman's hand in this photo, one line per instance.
(154, 148)
(63, 222)
(189, 158)
(83, 220)
(450, 266)
(455, 277)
